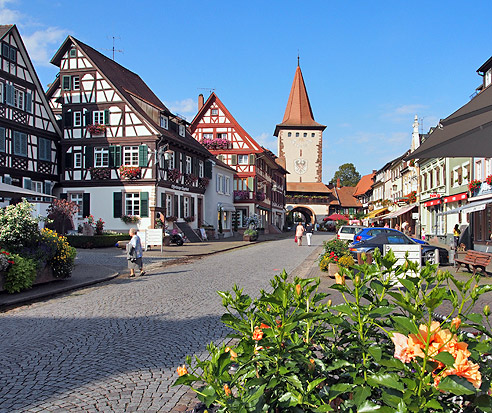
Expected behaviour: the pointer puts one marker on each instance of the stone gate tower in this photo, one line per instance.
(300, 136)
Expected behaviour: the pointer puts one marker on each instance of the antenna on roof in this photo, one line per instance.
(113, 49)
(210, 89)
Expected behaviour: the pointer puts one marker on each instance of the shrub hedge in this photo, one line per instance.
(97, 241)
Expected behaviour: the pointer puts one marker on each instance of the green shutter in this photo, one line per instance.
(176, 206)
(114, 156)
(64, 196)
(69, 160)
(163, 200)
(251, 184)
(117, 204)
(89, 156)
(88, 118)
(86, 205)
(9, 95)
(181, 206)
(28, 102)
(192, 207)
(106, 117)
(142, 155)
(111, 155)
(27, 183)
(208, 169)
(68, 119)
(233, 159)
(251, 158)
(2, 139)
(144, 204)
(66, 82)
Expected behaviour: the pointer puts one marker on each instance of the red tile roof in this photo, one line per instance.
(364, 184)
(311, 187)
(346, 197)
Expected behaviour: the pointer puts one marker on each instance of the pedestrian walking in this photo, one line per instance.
(456, 236)
(134, 253)
(423, 234)
(299, 233)
(397, 227)
(309, 233)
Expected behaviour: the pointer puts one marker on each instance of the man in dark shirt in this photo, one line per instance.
(309, 233)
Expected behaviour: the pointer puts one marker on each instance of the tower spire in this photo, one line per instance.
(297, 57)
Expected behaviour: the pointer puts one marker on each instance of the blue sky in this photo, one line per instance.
(369, 67)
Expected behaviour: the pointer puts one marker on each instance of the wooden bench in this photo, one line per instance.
(477, 259)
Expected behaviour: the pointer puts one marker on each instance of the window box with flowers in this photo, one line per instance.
(474, 186)
(174, 175)
(489, 180)
(215, 144)
(189, 219)
(240, 195)
(100, 173)
(130, 172)
(96, 129)
(190, 179)
(130, 219)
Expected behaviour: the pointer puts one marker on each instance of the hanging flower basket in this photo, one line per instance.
(474, 185)
(489, 180)
(190, 179)
(130, 172)
(96, 129)
(100, 173)
(215, 144)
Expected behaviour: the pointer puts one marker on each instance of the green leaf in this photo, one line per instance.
(474, 317)
(343, 308)
(288, 400)
(294, 380)
(337, 364)
(339, 388)
(433, 404)
(445, 357)
(409, 285)
(484, 402)
(392, 397)
(312, 385)
(256, 394)
(390, 380)
(368, 407)
(376, 352)
(322, 409)
(405, 324)
(187, 379)
(456, 385)
(381, 311)
(361, 393)
(392, 363)
(402, 407)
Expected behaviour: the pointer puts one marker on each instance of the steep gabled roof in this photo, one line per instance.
(364, 184)
(131, 87)
(213, 98)
(347, 198)
(4, 29)
(298, 112)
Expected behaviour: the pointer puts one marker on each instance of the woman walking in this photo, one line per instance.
(299, 233)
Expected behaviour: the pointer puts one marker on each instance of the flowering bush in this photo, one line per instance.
(130, 172)
(96, 128)
(63, 259)
(21, 274)
(253, 221)
(18, 228)
(381, 349)
(174, 175)
(60, 215)
(337, 246)
(474, 184)
(411, 197)
(100, 173)
(214, 144)
(5, 260)
(489, 180)
(346, 261)
(99, 226)
(130, 219)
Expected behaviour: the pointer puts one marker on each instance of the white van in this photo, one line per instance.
(347, 232)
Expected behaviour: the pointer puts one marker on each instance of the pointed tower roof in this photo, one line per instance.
(298, 112)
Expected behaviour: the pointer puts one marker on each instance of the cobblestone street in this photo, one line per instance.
(116, 346)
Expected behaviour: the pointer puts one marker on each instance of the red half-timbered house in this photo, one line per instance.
(259, 182)
(29, 134)
(125, 156)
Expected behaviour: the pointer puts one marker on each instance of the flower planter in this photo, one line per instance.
(250, 238)
(44, 275)
(332, 270)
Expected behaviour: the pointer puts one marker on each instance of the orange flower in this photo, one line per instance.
(182, 370)
(339, 279)
(257, 334)
(405, 348)
(464, 368)
(263, 325)
(298, 289)
(227, 390)
(456, 322)
(233, 353)
(279, 323)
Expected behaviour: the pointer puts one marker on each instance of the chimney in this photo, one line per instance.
(338, 183)
(200, 101)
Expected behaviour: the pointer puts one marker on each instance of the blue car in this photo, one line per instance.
(367, 233)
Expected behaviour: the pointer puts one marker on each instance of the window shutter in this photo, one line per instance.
(27, 183)
(86, 204)
(208, 169)
(89, 156)
(64, 196)
(251, 158)
(13, 54)
(217, 183)
(192, 206)
(106, 117)
(6, 51)
(144, 204)
(233, 159)
(66, 82)
(23, 142)
(2, 139)
(117, 204)
(29, 102)
(163, 200)
(17, 143)
(41, 149)
(68, 119)
(220, 158)
(69, 160)
(142, 155)
(9, 95)
(47, 188)
(117, 156)
(194, 166)
(88, 118)
(112, 149)
(251, 183)
(181, 206)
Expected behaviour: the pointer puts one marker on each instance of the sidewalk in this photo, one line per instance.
(99, 265)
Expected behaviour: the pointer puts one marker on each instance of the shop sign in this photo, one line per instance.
(180, 188)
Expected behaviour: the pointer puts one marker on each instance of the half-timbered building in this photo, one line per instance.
(259, 182)
(29, 133)
(125, 157)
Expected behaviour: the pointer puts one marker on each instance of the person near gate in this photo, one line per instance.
(299, 233)
(309, 233)
(134, 253)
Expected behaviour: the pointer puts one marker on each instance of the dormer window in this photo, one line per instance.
(215, 112)
(182, 130)
(164, 122)
(73, 52)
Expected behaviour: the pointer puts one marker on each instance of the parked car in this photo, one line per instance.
(347, 232)
(367, 233)
(397, 238)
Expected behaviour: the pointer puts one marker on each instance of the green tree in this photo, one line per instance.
(347, 174)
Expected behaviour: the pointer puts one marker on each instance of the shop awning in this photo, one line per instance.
(401, 211)
(455, 198)
(433, 202)
(225, 206)
(468, 208)
(11, 191)
(376, 212)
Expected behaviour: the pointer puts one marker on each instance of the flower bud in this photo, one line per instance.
(456, 322)
(363, 256)
(298, 289)
(227, 390)
(356, 280)
(329, 303)
(339, 279)
(486, 310)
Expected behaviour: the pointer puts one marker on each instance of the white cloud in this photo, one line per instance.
(42, 44)
(403, 113)
(186, 106)
(267, 140)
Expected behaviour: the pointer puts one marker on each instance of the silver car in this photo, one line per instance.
(347, 232)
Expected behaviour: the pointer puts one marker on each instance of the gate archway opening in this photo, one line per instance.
(303, 213)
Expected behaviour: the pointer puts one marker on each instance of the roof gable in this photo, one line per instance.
(364, 185)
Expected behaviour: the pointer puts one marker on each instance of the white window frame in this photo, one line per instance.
(220, 184)
(98, 117)
(37, 186)
(130, 155)
(188, 164)
(479, 170)
(101, 157)
(77, 119)
(169, 205)
(186, 205)
(19, 98)
(201, 169)
(78, 198)
(164, 122)
(227, 185)
(182, 131)
(132, 203)
(75, 82)
(77, 160)
(488, 167)
(242, 158)
(465, 167)
(214, 112)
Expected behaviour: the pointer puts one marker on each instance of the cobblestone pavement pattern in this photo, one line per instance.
(115, 347)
